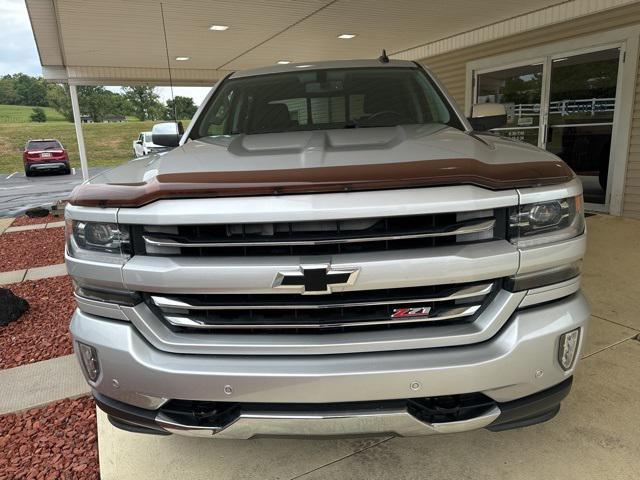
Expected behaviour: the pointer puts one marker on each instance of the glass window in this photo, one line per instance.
(518, 89)
(578, 116)
(582, 100)
(43, 145)
(583, 88)
(325, 99)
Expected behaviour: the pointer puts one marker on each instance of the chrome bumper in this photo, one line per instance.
(400, 418)
(47, 166)
(309, 424)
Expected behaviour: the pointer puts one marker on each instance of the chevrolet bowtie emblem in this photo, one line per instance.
(315, 279)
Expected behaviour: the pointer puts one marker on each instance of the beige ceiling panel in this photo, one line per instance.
(45, 28)
(129, 33)
(395, 25)
(122, 40)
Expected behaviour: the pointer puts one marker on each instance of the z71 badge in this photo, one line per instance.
(411, 312)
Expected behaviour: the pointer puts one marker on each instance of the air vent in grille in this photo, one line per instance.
(320, 237)
(345, 311)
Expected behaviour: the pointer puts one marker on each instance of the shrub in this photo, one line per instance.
(38, 115)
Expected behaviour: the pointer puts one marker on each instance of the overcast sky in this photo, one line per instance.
(18, 51)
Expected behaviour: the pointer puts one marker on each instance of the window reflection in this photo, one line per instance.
(581, 107)
(583, 88)
(586, 150)
(519, 89)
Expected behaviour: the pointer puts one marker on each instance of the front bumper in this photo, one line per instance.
(521, 360)
(401, 418)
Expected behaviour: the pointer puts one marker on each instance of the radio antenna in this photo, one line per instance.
(382, 58)
(166, 48)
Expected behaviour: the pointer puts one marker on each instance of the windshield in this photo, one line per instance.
(43, 145)
(324, 99)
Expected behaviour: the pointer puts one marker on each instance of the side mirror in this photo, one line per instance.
(139, 142)
(485, 116)
(167, 134)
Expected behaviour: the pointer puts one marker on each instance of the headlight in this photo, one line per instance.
(546, 222)
(105, 238)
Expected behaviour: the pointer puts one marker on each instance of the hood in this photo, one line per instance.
(324, 161)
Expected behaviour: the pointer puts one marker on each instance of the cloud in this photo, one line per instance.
(18, 52)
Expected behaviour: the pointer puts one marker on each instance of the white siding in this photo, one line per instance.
(632, 187)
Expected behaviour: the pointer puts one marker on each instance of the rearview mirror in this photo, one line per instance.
(167, 134)
(486, 116)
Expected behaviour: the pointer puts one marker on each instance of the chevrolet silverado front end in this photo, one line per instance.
(331, 250)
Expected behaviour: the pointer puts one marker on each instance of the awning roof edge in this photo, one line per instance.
(131, 76)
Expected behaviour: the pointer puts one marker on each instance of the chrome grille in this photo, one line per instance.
(344, 311)
(319, 237)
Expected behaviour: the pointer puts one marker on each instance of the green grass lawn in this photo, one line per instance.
(107, 144)
(22, 114)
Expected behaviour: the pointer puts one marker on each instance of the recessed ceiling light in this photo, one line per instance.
(182, 59)
(284, 62)
(347, 36)
(218, 28)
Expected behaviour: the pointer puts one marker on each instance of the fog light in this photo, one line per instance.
(89, 357)
(568, 348)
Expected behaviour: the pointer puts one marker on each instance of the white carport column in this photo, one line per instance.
(78, 123)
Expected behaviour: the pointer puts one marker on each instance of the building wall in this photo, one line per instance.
(632, 186)
(451, 70)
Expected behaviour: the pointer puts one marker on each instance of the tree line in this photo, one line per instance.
(141, 101)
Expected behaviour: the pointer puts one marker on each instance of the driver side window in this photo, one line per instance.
(217, 121)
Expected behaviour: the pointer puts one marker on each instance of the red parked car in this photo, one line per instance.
(44, 155)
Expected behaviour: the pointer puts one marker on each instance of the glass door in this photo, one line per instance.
(582, 100)
(519, 89)
(564, 104)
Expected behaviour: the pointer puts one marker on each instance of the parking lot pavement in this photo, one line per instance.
(594, 436)
(19, 193)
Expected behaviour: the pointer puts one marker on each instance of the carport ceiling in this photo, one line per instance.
(118, 40)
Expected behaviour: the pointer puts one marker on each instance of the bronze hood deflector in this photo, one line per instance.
(424, 173)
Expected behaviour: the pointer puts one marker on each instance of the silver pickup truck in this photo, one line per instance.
(329, 250)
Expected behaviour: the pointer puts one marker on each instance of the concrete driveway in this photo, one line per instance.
(594, 436)
(19, 193)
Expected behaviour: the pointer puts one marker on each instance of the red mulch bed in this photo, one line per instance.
(24, 220)
(58, 441)
(43, 331)
(33, 248)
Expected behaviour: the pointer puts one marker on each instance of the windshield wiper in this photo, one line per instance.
(365, 125)
(353, 124)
